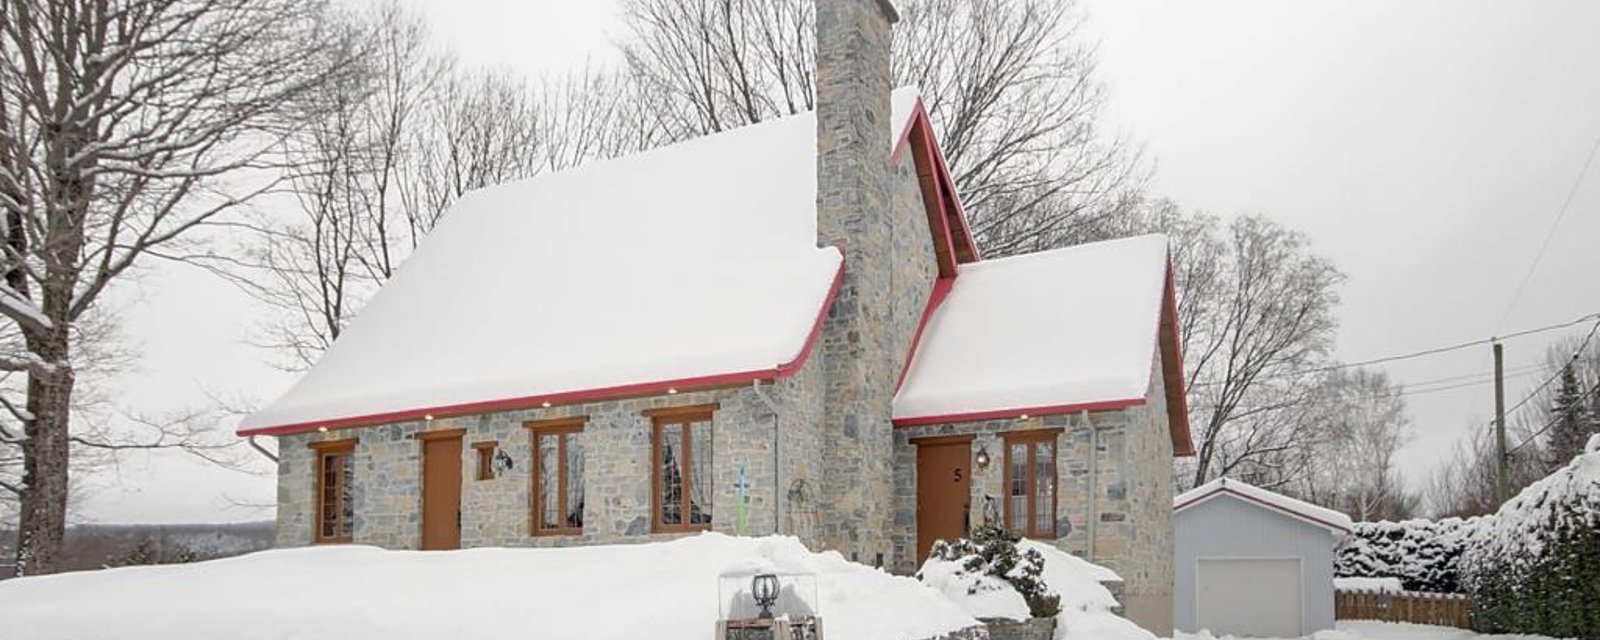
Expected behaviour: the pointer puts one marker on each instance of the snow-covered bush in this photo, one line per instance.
(1534, 567)
(1425, 555)
(992, 552)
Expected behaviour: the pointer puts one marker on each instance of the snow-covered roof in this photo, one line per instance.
(1073, 328)
(681, 265)
(1335, 522)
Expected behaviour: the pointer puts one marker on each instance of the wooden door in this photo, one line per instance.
(441, 490)
(943, 496)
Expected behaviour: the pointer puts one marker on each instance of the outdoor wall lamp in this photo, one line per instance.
(983, 457)
(764, 588)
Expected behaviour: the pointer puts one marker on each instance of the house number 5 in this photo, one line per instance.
(958, 474)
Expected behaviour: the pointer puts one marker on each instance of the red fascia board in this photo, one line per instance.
(1221, 489)
(1001, 414)
(941, 288)
(1171, 346)
(919, 117)
(659, 387)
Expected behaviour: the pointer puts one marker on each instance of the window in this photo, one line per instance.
(681, 468)
(557, 476)
(335, 516)
(485, 459)
(1030, 481)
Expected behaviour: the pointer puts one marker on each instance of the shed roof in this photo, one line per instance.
(1335, 522)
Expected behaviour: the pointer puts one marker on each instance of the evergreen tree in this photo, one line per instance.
(1572, 423)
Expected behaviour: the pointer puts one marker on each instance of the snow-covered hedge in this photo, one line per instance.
(1425, 555)
(1534, 567)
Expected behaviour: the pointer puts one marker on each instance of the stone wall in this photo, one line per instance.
(854, 211)
(617, 471)
(1114, 480)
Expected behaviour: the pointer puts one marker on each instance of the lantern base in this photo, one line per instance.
(785, 628)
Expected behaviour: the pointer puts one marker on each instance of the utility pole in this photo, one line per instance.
(1502, 459)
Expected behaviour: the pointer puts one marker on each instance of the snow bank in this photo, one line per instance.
(1086, 605)
(342, 592)
(1373, 630)
(1386, 585)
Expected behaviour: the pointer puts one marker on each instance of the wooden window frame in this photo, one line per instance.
(559, 427)
(322, 450)
(1030, 438)
(684, 417)
(485, 458)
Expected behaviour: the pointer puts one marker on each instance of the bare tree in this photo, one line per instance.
(1009, 85)
(124, 126)
(1360, 424)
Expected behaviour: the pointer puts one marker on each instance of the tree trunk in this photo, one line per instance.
(43, 517)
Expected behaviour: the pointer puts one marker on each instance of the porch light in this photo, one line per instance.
(1023, 417)
(983, 457)
(672, 390)
(764, 588)
(545, 404)
(322, 429)
(428, 417)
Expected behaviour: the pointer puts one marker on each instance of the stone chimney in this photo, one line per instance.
(853, 213)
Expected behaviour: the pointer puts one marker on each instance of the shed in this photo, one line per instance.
(1251, 562)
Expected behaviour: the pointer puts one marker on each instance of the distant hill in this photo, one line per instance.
(95, 546)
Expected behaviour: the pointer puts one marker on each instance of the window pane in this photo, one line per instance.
(347, 499)
(700, 484)
(328, 517)
(671, 474)
(1018, 494)
(1045, 485)
(574, 516)
(549, 481)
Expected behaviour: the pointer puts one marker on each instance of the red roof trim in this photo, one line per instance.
(1223, 488)
(1001, 414)
(1171, 345)
(959, 234)
(659, 387)
(941, 288)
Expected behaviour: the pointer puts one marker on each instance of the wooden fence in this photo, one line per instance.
(1445, 609)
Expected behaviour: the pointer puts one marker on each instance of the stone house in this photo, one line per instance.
(785, 328)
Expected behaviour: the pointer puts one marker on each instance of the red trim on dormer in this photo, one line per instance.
(947, 218)
(941, 288)
(653, 388)
(1171, 345)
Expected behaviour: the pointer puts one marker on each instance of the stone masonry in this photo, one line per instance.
(1113, 478)
(853, 213)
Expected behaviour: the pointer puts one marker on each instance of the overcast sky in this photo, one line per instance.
(1425, 147)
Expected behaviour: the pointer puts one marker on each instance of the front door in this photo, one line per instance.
(943, 498)
(441, 491)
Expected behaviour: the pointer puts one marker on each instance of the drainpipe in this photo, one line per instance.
(777, 488)
(1094, 483)
(262, 450)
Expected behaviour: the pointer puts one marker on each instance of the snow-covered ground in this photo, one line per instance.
(665, 590)
(1369, 630)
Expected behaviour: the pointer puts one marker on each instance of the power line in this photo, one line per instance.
(1554, 225)
(1539, 389)
(1554, 419)
(1422, 353)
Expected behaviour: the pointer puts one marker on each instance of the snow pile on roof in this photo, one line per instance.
(1385, 585)
(1043, 330)
(1086, 604)
(1337, 523)
(342, 592)
(691, 260)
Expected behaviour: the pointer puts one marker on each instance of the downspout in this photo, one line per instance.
(1094, 483)
(262, 450)
(777, 488)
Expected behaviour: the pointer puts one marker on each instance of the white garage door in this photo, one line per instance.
(1249, 597)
